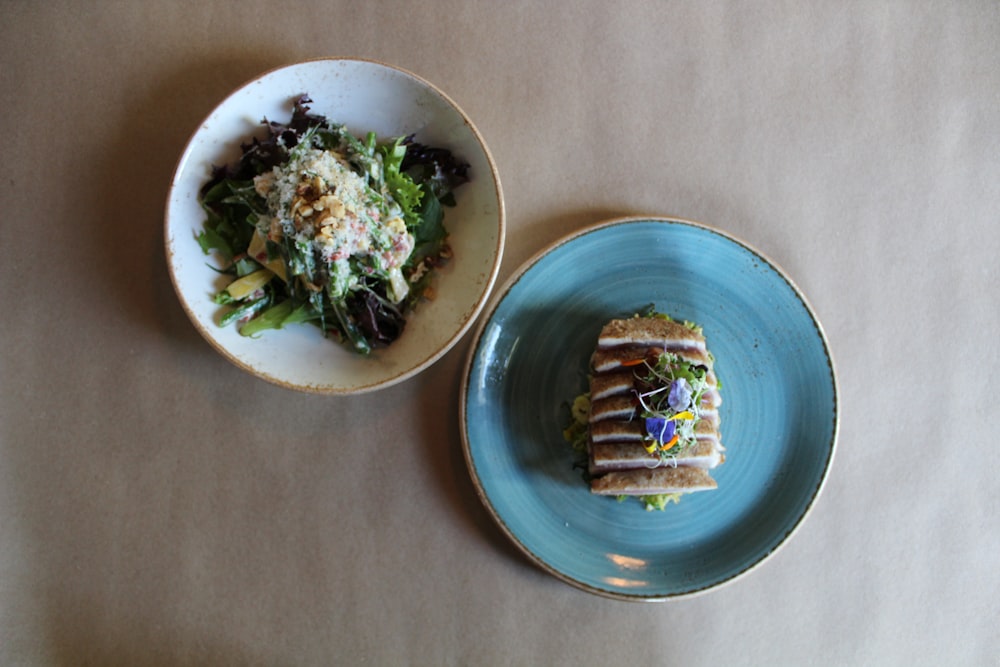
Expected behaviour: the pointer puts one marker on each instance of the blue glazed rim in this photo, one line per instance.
(613, 549)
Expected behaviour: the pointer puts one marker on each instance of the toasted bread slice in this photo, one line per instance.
(608, 456)
(621, 407)
(615, 358)
(649, 332)
(613, 430)
(645, 482)
(612, 384)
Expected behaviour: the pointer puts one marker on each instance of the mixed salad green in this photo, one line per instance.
(317, 225)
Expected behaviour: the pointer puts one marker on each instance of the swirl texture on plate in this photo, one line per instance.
(531, 355)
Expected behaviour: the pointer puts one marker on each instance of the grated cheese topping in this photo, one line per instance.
(320, 202)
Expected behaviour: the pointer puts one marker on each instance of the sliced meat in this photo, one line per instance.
(649, 332)
(635, 430)
(622, 431)
(611, 384)
(620, 407)
(615, 358)
(625, 407)
(607, 456)
(644, 482)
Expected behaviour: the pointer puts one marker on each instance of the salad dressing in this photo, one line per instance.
(326, 207)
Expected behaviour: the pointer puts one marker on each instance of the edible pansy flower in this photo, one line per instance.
(660, 429)
(679, 397)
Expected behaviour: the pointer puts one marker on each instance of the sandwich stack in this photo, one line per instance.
(654, 411)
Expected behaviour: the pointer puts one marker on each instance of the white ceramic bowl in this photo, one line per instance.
(365, 96)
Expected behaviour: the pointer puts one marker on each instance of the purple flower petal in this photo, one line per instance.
(660, 428)
(679, 397)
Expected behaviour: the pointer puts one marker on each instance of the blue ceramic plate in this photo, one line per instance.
(529, 359)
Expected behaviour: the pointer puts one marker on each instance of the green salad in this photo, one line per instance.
(316, 225)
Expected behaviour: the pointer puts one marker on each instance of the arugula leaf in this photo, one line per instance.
(278, 316)
(210, 240)
(247, 309)
(349, 328)
(429, 236)
(272, 318)
(404, 191)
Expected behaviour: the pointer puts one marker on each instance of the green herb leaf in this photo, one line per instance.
(403, 189)
(429, 236)
(272, 318)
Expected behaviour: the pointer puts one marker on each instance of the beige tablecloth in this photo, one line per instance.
(159, 506)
